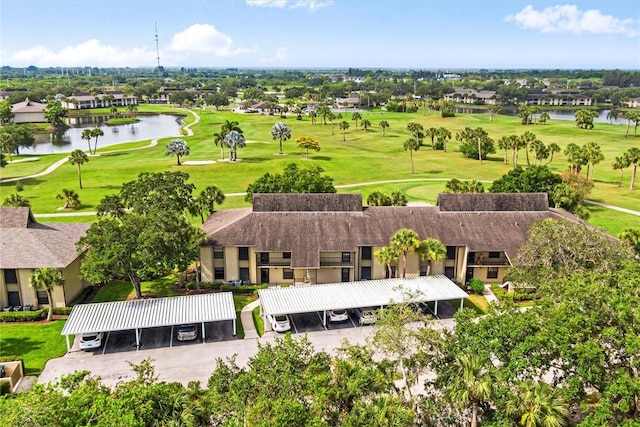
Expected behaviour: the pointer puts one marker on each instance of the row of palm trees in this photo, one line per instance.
(406, 241)
(87, 134)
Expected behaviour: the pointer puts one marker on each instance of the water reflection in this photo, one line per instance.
(67, 140)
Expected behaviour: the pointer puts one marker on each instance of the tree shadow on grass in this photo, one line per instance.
(323, 158)
(19, 346)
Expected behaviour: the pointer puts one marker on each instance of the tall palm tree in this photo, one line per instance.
(234, 140)
(629, 116)
(503, 144)
(366, 124)
(218, 139)
(355, 117)
(613, 115)
(553, 148)
(493, 109)
(516, 143)
(412, 145)
(178, 148)
(207, 200)
(544, 116)
(384, 125)
(96, 133)
(416, 130)
(78, 157)
(86, 134)
(432, 133)
(634, 156)
(403, 242)
(47, 278)
(594, 155)
(468, 383)
(387, 256)
(443, 135)
(432, 250)
(621, 162)
(281, 132)
(528, 138)
(537, 405)
(344, 125)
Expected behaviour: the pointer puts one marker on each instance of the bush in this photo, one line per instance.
(445, 113)
(22, 316)
(5, 359)
(243, 289)
(62, 311)
(5, 388)
(477, 286)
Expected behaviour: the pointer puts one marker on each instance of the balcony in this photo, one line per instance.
(272, 261)
(335, 261)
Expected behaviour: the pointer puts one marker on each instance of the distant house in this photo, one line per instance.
(25, 245)
(632, 103)
(329, 238)
(85, 100)
(472, 96)
(557, 97)
(352, 101)
(28, 111)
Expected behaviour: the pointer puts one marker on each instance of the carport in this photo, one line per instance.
(150, 313)
(366, 293)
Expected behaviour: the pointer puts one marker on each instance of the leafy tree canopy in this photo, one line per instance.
(292, 180)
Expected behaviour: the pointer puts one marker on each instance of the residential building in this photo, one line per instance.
(328, 238)
(556, 97)
(472, 96)
(85, 100)
(25, 245)
(632, 103)
(28, 111)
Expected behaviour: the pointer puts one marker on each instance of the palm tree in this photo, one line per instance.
(493, 109)
(344, 125)
(355, 117)
(553, 148)
(634, 156)
(384, 125)
(47, 278)
(313, 116)
(629, 116)
(234, 140)
(516, 143)
(218, 139)
(594, 155)
(331, 116)
(323, 111)
(539, 150)
(211, 196)
(468, 383)
(78, 157)
(528, 138)
(432, 250)
(178, 148)
(366, 124)
(86, 134)
(16, 201)
(281, 132)
(386, 255)
(544, 116)
(412, 145)
(443, 135)
(432, 133)
(537, 405)
(416, 130)
(621, 162)
(70, 197)
(613, 115)
(96, 133)
(403, 242)
(503, 144)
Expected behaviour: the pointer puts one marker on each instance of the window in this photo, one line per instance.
(218, 253)
(366, 252)
(494, 254)
(10, 276)
(286, 255)
(423, 270)
(451, 252)
(346, 274)
(218, 273)
(287, 273)
(449, 272)
(14, 298)
(264, 257)
(243, 253)
(346, 256)
(244, 274)
(492, 273)
(43, 298)
(365, 273)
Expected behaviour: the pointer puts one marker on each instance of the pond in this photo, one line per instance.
(558, 114)
(67, 140)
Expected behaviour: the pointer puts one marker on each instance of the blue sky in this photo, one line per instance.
(425, 34)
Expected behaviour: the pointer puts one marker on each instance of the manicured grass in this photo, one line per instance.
(240, 301)
(476, 302)
(35, 342)
(363, 157)
(120, 290)
(258, 321)
(122, 120)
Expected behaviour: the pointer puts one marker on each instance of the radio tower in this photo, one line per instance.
(158, 50)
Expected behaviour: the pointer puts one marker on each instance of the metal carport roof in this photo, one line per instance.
(366, 293)
(149, 313)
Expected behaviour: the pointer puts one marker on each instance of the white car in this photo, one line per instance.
(366, 316)
(187, 333)
(280, 323)
(90, 341)
(338, 316)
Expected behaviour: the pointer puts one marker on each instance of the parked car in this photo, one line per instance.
(90, 341)
(280, 323)
(187, 333)
(366, 315)
(338, 316)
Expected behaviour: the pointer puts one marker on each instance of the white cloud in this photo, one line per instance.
(205, 38)
(568, 18)
(278, 57)
(90, 52)
(292, 4)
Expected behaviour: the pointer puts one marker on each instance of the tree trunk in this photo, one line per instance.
(135, 281)
(626, 134)
(479, 151)
(411, 155)
(633, 176)
(50, 296)
(474, 414)
(428, 267)
(222, 152)
(621, 172)
(178, 157)
(404, 265)
(79, 176)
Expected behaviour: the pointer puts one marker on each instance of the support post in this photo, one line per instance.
(68, 347)
(461, 303)
(137, 339)
(234, 327)
(203, 337)
(324, 319)
(435, 309)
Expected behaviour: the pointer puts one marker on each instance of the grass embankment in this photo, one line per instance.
(121, 121)
(35, 342)
(363, 157)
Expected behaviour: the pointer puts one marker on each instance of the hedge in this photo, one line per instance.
(23, 316)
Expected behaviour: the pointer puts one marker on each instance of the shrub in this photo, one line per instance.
(22, 316)
(243, 289)
(4, 359)
(477, 286)
(62, 311)
(5, 388)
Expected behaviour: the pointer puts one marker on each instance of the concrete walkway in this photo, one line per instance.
(246, 317)
(488, 295)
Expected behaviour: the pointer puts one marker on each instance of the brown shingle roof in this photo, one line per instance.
(482, 202)
(305, 234)
(28, 106)
(25, 243)
(313, 202)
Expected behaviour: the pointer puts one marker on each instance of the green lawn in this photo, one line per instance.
(363, 157)
(240, 301)
(35, 342)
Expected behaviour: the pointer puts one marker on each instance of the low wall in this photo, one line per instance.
(13, 373)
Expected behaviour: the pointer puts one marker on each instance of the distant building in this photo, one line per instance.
(557, 97)
(352, 101)
(472, 96)
(85, 100)
(28, 111)
(632, 103)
